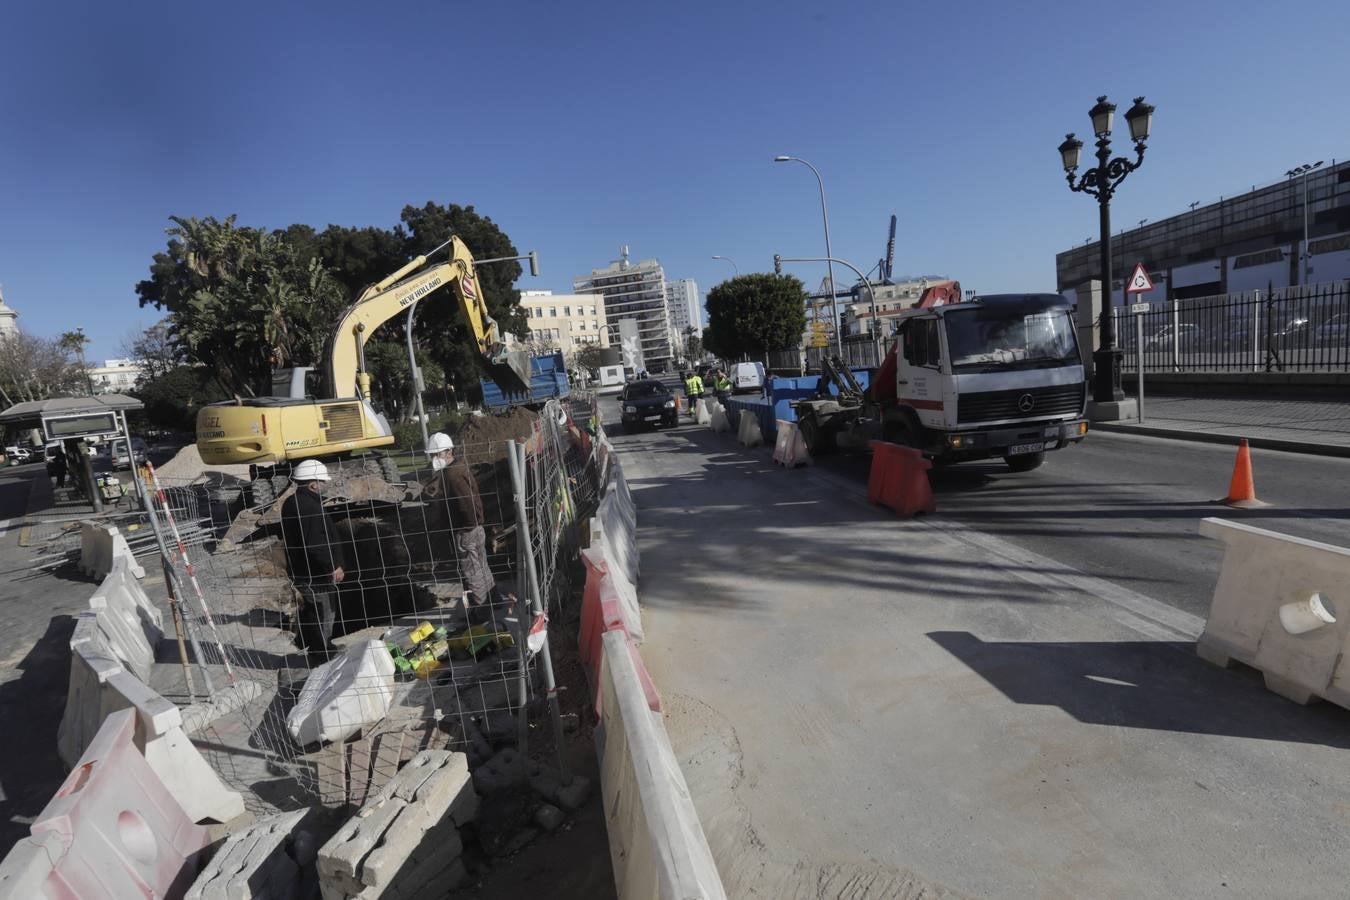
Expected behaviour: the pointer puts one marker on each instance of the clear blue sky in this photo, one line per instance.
(581, 126)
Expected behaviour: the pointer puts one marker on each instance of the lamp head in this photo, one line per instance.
(782, 159)
(1069, 152)
(1140, 118)
(1102, 116)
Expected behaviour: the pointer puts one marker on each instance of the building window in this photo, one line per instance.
(567, 311)
(553, 312)
(1258, 259)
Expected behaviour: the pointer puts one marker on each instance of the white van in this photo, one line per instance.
(746, 377)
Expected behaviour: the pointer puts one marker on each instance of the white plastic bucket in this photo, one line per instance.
(1305, 615)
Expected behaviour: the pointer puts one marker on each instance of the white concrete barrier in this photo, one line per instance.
(718, 421)
(343, 694)
(26, 868)
(618, 537)
(99, 546)
(657, 845)
(121, 594)
(789, 448)
(99, 687)
(1281, 605)
(122, 833)
(702, 414)
(749, 433)
(625, 592)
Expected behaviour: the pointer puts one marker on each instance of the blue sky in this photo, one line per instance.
(580, 127)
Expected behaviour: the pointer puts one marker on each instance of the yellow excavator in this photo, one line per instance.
(270, 433)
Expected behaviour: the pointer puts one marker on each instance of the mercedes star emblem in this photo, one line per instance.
(1026, 403)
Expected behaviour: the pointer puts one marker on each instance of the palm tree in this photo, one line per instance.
(74, 342)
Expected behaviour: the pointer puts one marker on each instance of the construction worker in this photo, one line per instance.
(721, 386)
(456, 486)
(693, 389)
(314, 557)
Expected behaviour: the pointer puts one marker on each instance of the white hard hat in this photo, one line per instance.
(310, 470)
(439, 442)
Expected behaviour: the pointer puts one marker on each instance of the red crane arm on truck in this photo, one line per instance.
(882, 388)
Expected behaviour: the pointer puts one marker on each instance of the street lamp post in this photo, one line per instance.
(735, 268)
(1101, 182)
(1302, 172)
(829, 254)
(876, 323)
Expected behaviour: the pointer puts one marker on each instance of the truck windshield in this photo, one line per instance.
(990, 338)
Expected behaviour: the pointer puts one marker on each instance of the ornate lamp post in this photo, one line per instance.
(1101, 182)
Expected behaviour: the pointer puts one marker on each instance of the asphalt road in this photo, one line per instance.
(1127, 508)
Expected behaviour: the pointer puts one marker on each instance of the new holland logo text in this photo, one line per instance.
(420, 292)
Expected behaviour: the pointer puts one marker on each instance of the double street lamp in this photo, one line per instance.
(1302, 172)
(1101, 182)
(829, 254)
(875, 324)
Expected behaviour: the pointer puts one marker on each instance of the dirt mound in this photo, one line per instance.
(484, 437)
(187, 466)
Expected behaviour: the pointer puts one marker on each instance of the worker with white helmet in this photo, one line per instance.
(463, 510)
(314, 557)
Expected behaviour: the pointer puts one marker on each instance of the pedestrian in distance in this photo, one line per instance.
(462, 506)
(314, 558)
(721, 386)
(56, 467)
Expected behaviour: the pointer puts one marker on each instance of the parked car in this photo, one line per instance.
(120, 459)
(1335, 330)
(1185, 333)
(18, 455)
(647, 401)
(1293, 332)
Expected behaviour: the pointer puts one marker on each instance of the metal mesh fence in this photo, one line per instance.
(464, 640)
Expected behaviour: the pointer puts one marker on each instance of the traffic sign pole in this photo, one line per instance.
(1139, 283)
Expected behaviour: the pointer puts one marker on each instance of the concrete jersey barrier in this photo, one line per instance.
(100, 546)
(1281, 605)
(657, 845)
(789, 448)
(748, 434)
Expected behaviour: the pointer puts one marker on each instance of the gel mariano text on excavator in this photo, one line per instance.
(270, 433)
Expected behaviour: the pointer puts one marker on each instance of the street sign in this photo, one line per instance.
(1140, 307)
(1139, 283)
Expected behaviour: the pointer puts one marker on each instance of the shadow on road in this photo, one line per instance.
(1144, 684)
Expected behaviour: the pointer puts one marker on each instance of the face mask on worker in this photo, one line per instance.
(438, 462)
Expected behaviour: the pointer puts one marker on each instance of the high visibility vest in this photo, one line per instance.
(723, 384)
(694, 385)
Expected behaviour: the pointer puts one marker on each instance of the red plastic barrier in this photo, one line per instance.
(899, 479)
(122, 833)
(601, 612)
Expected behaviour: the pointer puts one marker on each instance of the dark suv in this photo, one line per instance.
(647, 401)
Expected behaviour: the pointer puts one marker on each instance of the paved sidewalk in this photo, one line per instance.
(1310, 426)
(870, 707)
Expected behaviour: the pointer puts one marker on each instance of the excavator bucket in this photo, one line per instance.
(510, 370)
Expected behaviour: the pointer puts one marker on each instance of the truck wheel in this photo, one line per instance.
(1025, 462)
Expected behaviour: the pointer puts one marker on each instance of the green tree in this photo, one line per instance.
(36, 368)
(590, 357)
(172, 396)
(693, 345)
(752, 314)
(241, 301)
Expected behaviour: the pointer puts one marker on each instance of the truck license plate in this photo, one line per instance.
(1015, 449)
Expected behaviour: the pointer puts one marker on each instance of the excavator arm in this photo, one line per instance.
(394, 294)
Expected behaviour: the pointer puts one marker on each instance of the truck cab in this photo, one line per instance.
(996, 376)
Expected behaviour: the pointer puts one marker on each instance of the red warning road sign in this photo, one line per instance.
(1139, 282)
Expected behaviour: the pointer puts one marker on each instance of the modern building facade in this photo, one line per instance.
(682, 300)
(892, 300)
(634, 291)
(565, 322)
(1252, 241)
(115, 376)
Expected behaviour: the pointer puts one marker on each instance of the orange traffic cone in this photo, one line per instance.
(1242, 490)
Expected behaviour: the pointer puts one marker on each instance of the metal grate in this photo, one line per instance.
(344, 421)
(1056, 400)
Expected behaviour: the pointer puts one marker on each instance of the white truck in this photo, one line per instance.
(994, 376)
